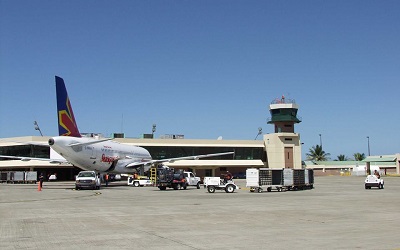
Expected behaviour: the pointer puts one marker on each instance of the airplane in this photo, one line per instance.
(100, 155)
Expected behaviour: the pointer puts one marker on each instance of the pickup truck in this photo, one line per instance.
(192, 180)
(87, 179)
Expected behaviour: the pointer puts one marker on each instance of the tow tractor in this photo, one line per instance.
(216, 183)
(373, 181)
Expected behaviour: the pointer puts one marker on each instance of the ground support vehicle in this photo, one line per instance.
(216, 183)
(279, 179)
(168, 178)
(191, 179)
(140, 181)
(87, 179)
(373, 181)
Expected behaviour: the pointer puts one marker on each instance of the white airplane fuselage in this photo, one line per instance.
(100, 156)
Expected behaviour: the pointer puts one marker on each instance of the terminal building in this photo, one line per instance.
(281, 149)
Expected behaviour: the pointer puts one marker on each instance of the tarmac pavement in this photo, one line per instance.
(337, 214)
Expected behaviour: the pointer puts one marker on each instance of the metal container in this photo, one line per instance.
(298, 177)
(31, 176)
(287, 177)
(277, 176)
(252, 175)
(306, 178)
(311, 176)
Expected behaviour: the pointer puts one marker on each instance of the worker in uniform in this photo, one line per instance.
(376, 173)
(41, 179)
(106, 179)
(227, 177)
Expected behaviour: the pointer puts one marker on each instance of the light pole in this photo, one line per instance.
(259, 133)
(37, 127)
(369, 151)
(320, 140)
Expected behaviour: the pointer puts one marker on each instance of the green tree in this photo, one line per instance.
(316, 153)
(359, 156)
(341, 158)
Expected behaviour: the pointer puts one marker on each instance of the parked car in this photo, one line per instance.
(240, 175)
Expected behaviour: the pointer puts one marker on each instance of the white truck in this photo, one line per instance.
(192, 180)
(87, 179)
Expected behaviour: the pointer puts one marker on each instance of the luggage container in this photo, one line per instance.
(3, 177)
(311, 178)
(287, 177)
(30, 177)
(19, 177)
(264, 178)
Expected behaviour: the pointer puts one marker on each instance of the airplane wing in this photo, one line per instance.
(194, 157)
(33, 158)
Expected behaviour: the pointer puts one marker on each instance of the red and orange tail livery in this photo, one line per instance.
(66, 121)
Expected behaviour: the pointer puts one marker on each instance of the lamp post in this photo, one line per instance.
(37, 127)
(320, 140)
(259, 133)
(369, 151)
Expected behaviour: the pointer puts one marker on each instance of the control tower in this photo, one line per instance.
(283, 146)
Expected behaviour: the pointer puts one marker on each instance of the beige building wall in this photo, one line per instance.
(283, 150)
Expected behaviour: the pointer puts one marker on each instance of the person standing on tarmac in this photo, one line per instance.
(106, 179)
(41, 179)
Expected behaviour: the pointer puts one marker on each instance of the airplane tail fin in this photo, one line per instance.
(66, 121)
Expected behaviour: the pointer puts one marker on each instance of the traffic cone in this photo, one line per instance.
(39, 188)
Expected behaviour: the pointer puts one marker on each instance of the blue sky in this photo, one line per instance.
(205, 68)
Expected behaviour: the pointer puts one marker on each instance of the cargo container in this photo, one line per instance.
(280, 179)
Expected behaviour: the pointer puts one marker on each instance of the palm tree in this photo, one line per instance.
(359, 156)
(342, 158)
(316, 153)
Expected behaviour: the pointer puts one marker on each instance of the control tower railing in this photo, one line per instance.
(283, 100)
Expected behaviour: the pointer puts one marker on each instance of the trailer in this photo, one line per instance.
(282, 179)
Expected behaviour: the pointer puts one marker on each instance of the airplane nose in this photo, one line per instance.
(51, 141)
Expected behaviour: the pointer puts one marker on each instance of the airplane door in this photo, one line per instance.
(92, 152)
